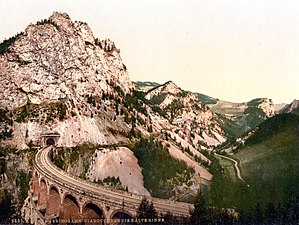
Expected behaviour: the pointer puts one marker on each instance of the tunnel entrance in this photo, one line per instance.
(50, 138)
(50, 141)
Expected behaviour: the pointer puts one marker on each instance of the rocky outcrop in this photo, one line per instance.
(58, 59)
(119, 163)
(267, 106)
(169, 88)
(193, 120)
(54, 76)
(291, 108)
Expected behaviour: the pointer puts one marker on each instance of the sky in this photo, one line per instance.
(228, 49)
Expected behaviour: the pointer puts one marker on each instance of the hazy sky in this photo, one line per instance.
(234, 50)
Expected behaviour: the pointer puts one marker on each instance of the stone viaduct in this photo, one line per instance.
(58, 197)
(56, 202)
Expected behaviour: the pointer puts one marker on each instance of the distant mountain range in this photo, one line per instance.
(147, 85)
(234, 118)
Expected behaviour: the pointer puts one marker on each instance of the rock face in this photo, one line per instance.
(237, 118)
(120, 163)
(267, 106)
(193, 120)
(291, 108)
(58, 59)
(166, 90)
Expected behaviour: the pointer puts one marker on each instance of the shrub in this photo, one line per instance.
(47, 21)
(8, 42)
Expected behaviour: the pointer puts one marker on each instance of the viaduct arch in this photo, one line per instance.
(56, 203)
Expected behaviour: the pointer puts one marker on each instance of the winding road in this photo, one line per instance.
(236, 165)
(44, 165)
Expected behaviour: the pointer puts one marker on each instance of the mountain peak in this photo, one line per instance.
(171, 87)
(267, 106)
(295, 103)
(170, 82)
(58, 59)
(64, 22)
(291, 108)
(60, 17)
(168, 88)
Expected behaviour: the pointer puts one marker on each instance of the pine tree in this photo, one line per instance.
(146, 210)
(199, 214)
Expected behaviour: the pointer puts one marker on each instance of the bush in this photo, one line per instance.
(8, 42)
(62, 111)
(135, 101)
(6, 208)
(47, 21)
(112, 181)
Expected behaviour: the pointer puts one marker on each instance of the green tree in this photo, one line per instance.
(206, 214)
(146, 210)
(62, 111)
(199, 215)
(170, 219)
(6, 208)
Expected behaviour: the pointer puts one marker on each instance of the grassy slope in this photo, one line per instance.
(205, 99)
(270, 161)
(269, 164)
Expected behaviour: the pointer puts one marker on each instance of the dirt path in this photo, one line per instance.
(236, 165)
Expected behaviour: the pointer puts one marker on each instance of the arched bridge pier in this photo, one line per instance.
(57, 201)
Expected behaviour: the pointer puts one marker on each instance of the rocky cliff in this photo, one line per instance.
(58, 59)
(57, 70)
(291, 108)
(238, 118)
(193, 120)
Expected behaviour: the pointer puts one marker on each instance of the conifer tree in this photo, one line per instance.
(146, 210)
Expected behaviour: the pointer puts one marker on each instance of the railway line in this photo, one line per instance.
(44, 165)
